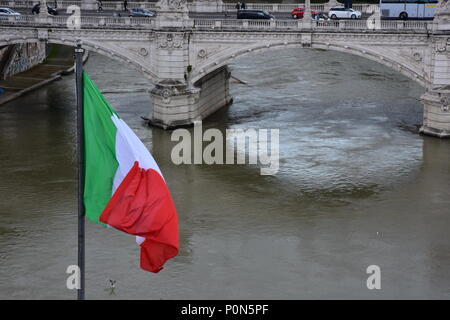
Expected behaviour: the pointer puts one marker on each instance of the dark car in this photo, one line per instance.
(37, 8)
(139, 12)
(254, 14)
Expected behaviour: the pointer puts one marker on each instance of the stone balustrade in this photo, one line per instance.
(86, 21)
(225, 24)
(355, 25)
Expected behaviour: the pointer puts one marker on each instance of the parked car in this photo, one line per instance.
(8, 12)
(298, 13)
(37, 8)
(139, 12)
(340, 12)
(254, 14)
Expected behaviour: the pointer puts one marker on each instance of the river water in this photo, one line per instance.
(357, 186)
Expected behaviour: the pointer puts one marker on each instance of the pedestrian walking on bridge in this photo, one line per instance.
(99, 6)
(36, 8)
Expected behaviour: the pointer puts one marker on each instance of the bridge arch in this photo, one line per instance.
(392, 61)
(90, 46)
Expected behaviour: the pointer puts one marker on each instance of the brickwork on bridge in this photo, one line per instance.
(180, 55)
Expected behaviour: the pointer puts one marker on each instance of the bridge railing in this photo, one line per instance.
(86, 21)
(226, 7)
(225, 24)
(64, 4)
(356, 25)
(274, 7)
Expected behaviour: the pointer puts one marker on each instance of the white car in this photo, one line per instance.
(341, 12)
(8, 12)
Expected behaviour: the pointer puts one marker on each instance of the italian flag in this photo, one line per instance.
(124, 187)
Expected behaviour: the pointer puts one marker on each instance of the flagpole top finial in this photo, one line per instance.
(78, 47)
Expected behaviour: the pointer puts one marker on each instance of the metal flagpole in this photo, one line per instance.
(80, 152)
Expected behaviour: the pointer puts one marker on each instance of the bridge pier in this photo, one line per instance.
(176, 103)
(436, 101)
(176, 100)
(436, 113)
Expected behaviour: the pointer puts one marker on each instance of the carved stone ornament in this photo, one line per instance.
(172, 4)
(202, 53)
(176, 4)
(417, 56)
(443, 6)
(443, 45)
(166, 94)
(445, 103)
(170, 41)
(442, 13)
(143, 52)
(42, 34)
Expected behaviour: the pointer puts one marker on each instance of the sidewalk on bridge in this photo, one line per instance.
(59, 61)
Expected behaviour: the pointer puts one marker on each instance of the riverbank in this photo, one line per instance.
(59, 62)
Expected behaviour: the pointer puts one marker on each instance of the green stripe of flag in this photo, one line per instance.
(100, 150)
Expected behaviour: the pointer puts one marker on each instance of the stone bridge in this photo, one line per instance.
(186, 59)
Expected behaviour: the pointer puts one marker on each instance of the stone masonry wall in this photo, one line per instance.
(22, 57)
